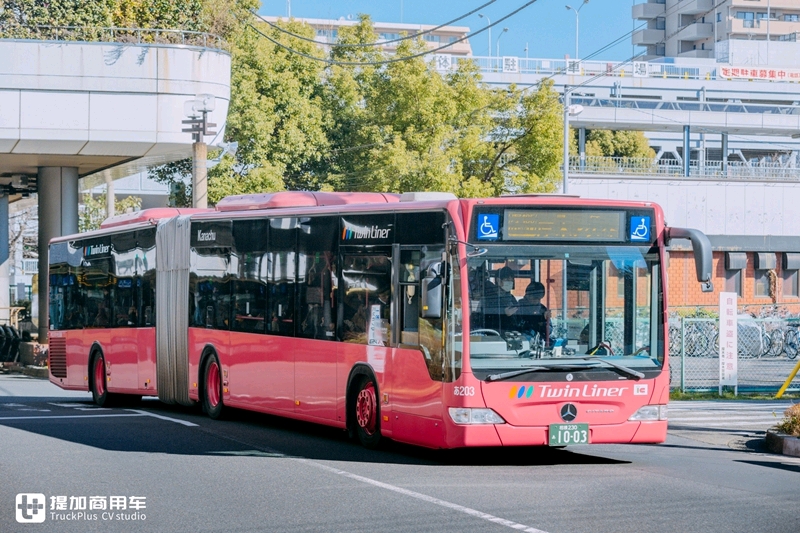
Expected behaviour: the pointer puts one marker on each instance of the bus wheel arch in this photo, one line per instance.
(363, 406)
(211, 384)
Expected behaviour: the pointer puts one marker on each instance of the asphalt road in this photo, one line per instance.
(262, 473)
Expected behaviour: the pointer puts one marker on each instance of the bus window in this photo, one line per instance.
(281, 272)
(317, 271)
(249, 289)
(367, 282)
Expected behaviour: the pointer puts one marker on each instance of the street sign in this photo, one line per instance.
(728, 341)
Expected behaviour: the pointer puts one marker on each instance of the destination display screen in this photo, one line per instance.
(564, 225)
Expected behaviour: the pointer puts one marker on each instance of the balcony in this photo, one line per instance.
(645, 37)
(648, 11)
(695, 7)
(695, 32)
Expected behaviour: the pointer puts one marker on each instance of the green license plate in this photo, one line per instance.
(568, 434)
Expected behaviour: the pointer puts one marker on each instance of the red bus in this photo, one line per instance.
(427, 319)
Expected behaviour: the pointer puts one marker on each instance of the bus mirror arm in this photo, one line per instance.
(702, 253)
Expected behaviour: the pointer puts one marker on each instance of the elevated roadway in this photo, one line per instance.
(73, 110)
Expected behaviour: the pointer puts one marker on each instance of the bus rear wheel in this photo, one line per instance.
(366, 416)
(100, 393)
(212, 392)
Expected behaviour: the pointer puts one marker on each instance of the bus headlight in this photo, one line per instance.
(466, 415)
(650, 412)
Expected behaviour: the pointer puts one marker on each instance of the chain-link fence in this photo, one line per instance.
(767, 353)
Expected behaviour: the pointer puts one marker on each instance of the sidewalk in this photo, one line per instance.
(20, 385)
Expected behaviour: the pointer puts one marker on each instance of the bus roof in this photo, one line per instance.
(148, 215)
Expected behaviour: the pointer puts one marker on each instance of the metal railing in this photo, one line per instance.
(665, 105)
(153, 36)
(613, 69)
(767, 352)
(673, 168)
(30, 266)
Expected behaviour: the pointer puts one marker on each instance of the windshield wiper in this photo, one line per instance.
(514, 373)
(624, 369)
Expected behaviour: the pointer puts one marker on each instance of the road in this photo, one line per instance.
(262, 473)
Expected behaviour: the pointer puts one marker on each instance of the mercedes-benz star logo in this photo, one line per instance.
(568, 412)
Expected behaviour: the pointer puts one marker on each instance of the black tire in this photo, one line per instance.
(365, 415)
(791, 343)
(212, 388)
(98, 382)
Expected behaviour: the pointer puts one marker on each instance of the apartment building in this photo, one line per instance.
(732, 31)
(327, 31)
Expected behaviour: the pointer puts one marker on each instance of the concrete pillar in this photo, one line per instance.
(724, 153)
(58, 215)
(5, 297)
(687, 151)
(582, 147)
(109, 197)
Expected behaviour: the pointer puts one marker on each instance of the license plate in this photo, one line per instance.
(568, 434)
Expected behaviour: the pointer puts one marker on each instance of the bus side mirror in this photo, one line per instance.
(431, 299)
(702, 253)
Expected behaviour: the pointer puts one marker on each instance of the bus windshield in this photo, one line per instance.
(518, 319)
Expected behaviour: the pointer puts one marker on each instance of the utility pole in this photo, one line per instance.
(197, 110)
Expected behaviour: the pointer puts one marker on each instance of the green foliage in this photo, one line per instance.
(609, 143)
(93, 210)
(97, 13)
(173, 173)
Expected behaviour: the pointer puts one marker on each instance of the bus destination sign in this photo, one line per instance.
(564, 225)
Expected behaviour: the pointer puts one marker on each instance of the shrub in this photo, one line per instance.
(791, 421)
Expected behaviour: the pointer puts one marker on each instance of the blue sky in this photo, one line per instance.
(546, 26)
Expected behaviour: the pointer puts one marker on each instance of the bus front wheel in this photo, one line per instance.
(212, 393)
(100, 393)
(365, 415)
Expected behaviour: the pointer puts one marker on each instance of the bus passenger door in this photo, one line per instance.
(417, 364)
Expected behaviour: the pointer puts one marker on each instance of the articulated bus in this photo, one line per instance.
(442, 322)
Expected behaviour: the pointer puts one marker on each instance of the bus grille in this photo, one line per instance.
(58, 357)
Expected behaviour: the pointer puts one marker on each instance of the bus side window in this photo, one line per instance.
(317, 272)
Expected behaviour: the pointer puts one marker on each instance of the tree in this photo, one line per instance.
(609, 143)
(93, 211)
(404, 126)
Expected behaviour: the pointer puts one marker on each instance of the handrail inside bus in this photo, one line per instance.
(702, 253)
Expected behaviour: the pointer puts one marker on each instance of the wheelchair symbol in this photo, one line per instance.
(642, 231)
(487, 229)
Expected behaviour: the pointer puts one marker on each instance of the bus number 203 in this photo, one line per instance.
(464, 391)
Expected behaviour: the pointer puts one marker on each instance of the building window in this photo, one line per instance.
(733, 281)
(735, 262)
(719, 17)
(790, 278)
(762, 284)
(791, 18)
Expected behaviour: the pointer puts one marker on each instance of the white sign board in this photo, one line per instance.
(510, 64)
(640, 69)
(728, 341)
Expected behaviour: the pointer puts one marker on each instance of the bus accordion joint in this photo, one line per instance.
(702, 253)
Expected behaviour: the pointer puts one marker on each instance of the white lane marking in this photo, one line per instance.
(426, 498)
(162, 417)
(65, 404)
(61, 416)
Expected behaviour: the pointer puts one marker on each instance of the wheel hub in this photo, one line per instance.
(366, 409)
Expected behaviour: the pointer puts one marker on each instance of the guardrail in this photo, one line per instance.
(115, 35)
(673, 168)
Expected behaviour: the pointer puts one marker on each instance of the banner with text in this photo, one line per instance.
(728, 341)
(759, 73)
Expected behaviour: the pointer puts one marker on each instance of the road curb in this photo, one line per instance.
(783, 444)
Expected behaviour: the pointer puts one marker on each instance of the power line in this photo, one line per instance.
(365, 45)
(395, 59)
